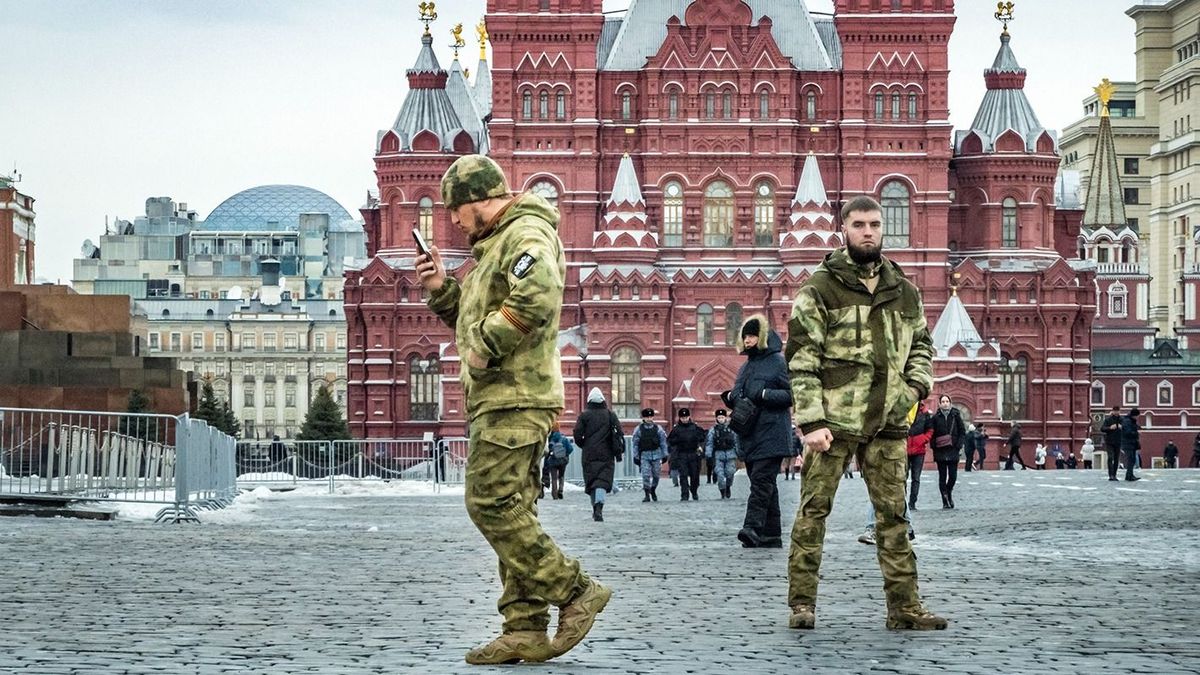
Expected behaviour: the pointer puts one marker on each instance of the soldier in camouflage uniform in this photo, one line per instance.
(859, 355)
(506, 317)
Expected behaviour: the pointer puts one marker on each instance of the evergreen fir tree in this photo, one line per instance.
(229, 422)
(208, 409)
(324, 421)
(138, 427)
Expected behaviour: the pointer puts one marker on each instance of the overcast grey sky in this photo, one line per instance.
(108, 102)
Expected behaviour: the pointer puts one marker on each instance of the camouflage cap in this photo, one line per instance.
(473, 178)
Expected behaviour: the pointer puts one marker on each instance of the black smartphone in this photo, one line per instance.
(422, 247)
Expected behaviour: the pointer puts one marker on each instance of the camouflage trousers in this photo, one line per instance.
(502, 486)
(883, 464)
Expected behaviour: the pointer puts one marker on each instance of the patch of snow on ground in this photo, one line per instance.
(1069, 487)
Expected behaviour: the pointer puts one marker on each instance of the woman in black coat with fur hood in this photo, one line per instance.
(763, 380)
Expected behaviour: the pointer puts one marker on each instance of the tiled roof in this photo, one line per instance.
(466, 108)
(1105, 201)
(427, 108)
(1004, 106)
(644, 28)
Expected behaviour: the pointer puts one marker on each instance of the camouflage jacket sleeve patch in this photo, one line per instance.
(521, 267)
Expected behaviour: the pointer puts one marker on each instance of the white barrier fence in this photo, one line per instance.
(440, 462)
(179, 462)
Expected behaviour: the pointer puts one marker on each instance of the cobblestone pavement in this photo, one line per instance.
(1050, 571)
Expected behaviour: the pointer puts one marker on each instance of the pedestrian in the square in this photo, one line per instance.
(1072, 463)
(920, 433)
(1111, 426)
(558, 455)
(721, 450)
(1087, 452)
(686, 444)
(1196, 452)
(969, 449)
(1039, 457)
(762, 383)
(1056, 452)
(1131, 442)
(860, 356)
(981, 439)
(650, 450)
(602, 444)
(791, 465)
(949, 435)
(505, 314)
(1171, 455)
(1014, 448)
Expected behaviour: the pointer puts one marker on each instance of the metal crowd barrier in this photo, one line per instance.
(291, 463)
(179, 462)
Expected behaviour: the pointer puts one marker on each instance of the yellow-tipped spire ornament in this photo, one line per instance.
(428, 14)
(481, 31)
(1004, 14)
(1105, 92)
(459, 42)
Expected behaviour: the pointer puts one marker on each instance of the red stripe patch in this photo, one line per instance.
(517, 323)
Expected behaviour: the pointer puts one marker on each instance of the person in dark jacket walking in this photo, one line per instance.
(649, 453)
(1196, 452)
(1171, 455)
(1014, 448)
(686, 443)
(1111, 426)
(558, 455)
(949, 434)
(969, 449)
(1131, 442)
(763, 380)
(598, 434)
(721, 450)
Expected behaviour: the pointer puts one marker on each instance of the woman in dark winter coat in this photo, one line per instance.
(763, 380)
(598, 434)
(949, 434)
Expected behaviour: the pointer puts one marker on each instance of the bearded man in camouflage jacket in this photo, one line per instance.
(859, 356)
(505, 314)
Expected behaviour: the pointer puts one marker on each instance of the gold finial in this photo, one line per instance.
(481, 31)
(428, 14)
(459, 42)
(1105, 93)
(1004, 14)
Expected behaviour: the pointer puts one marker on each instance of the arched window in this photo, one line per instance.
(1014, 387)
(673, 215)
(896, 105)
(546, 190)
(879, 105)
(1118, 307)
(673, 104)
(560, 105)
(527, 104)
(1130, 394)
(1008, 224)
(710, 105)
(718, 215)
(627, 383)
(733, 323)
(424, 377)
(764, 215)
(894, 200)
(727, 105)
(912, 106)
(425, 218)
(704, 325)
(626, 105)
(810, 105)
(764, 104)
(1097, 394)
(544, 105)
(1166, 394)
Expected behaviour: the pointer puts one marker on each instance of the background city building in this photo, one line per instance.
(17, 234)
(248, 299)
(698, 153)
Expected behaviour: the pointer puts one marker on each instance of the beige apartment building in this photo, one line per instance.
(1156, 130)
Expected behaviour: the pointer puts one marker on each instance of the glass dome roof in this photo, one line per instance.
(272, 207)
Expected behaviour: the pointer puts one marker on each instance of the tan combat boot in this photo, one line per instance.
(576, 617)
(522, 645)
(914, 617)
(803, 616)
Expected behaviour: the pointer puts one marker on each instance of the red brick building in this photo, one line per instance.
(17, 235)
(698, 153)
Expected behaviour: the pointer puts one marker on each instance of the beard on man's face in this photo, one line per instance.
(864, 255)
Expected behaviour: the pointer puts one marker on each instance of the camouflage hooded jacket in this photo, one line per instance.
(852, 355)
(507, 311)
